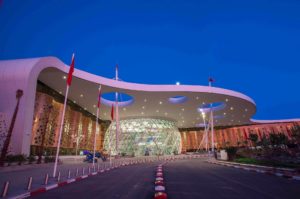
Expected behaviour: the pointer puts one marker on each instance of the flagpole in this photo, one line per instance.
(117, 114)
(60, 131)
(97, 121)
(69, 80)
(212, 120)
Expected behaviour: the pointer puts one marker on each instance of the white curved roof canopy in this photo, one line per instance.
(151, 100)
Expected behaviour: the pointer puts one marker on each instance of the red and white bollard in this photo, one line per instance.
(160, 195)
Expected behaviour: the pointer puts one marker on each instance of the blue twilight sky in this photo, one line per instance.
(249, 46)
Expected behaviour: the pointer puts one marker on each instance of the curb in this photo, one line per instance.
(76, 179)
(159, 183)
(63, 183)
(257, 169)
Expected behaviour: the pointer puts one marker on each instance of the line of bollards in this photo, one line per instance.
(100, 168)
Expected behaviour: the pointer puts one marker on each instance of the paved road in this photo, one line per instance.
(196, 179)
(129, 182)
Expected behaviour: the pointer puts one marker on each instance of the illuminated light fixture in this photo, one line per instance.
(124, 109)
(166, 113)
(160, 102)
(197, 98)
(94, 106)
(157, 111)
(85, 108)
(74, 101)
(224, 113)
(182, 109)
(232, 120)
(145, 100)
(177, 83)
(226, 100)
(81, 95)
(143, 107)
(231, 108)
(203, 103)
(183, 121)
(104, 113)
(142, 113)
(60, 92)
(64, 77)
(246, 109)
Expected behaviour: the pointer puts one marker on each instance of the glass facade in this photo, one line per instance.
(143, 136)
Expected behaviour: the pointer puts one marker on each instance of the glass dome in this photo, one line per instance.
(143, 136)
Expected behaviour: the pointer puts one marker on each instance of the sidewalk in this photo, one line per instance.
(280, 172)
(18, 176)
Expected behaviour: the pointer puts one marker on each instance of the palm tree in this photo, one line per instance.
(19, 94)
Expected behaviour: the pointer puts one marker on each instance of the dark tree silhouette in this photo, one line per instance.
(19, 94)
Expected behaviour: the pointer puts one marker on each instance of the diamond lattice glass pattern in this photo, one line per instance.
(143, 136)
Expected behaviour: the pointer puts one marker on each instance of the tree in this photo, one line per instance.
(19, 94)
(253, 137)
(296, 134)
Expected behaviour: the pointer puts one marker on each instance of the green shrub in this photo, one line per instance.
(20, 158)
(49, 159)
(31, 159)
(231, 152)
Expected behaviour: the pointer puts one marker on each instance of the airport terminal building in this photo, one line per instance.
(152, 119)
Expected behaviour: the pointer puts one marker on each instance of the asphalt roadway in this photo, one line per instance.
(185, 179)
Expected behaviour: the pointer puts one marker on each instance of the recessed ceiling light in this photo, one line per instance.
(94, 106)
(124, 109)
(60, 92)
(81, 95)
(224, 113)
(143, 107)
(160, 102)
(246, 109)
(74, 101)
(203, 102)
(177, 83)
(231, 108)
(145, 100)
(182, 109)
(166, 113)
(85, 108)
(157, 111)
(64, 77)
(142, 113)
(226, 100)
(197, 98)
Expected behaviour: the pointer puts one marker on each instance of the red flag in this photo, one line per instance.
(71, 70)
(211, 79)
(112, 112)
(99, 99)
